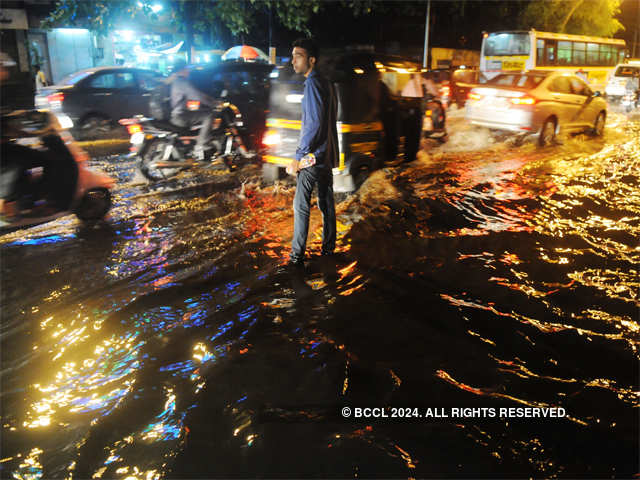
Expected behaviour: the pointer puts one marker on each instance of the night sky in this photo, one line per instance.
(398, 26)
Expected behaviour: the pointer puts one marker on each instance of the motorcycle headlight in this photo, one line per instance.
(137, 138)
(65, 122)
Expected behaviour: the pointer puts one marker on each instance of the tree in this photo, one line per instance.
(582, 17)
(239, 17)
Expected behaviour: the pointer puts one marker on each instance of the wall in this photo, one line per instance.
(70, 50)
(450, 57)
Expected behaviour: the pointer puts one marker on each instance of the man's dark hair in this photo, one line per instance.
(309, 45)
(37, 66)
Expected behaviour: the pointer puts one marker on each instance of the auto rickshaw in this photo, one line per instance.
(373, 120)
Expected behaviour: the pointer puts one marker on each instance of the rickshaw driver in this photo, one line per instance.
(318, 138)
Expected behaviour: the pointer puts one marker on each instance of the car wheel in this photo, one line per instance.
(547, 132)
(598, 127)
(94, 126)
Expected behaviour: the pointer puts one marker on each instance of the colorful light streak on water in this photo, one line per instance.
(158, 348)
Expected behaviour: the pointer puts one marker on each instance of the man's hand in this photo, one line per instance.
(294, 167)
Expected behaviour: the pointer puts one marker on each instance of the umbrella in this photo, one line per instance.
(245, 52)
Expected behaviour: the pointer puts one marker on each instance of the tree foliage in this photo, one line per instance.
(582, 17)
(239, 16)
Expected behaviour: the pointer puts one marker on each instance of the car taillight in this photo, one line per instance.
(134, 128)
(271, 138)
(193, 105)
(523, 100)
(474, 96)
(55, 99)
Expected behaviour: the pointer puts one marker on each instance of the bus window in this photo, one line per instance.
(501, 44)
(550, 52)
(564, 53)
(539, 51)
(593, 54)
(579, 53)
(606, 54)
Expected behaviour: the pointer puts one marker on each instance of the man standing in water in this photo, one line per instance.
(318, 146)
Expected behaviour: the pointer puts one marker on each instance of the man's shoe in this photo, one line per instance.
(295, 262)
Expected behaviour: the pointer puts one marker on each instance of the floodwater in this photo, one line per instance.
(171, 342)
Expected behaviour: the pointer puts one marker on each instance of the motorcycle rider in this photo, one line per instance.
(27, 171)
(183, 90)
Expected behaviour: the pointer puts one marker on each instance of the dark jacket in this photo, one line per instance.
(318, 134)
(181, 91)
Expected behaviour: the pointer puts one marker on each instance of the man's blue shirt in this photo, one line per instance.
(318, 112)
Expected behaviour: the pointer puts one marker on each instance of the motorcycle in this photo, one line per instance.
(47, 174)
(630, 100)
(164, 149)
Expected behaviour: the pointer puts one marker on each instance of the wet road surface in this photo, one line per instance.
(170, 342)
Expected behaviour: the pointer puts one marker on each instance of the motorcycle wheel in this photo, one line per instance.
(94, 204)
(151, 155)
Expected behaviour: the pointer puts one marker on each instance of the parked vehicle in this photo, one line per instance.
(96, 98)
(373, 118)
(624, 74)
(63, 176)
(539, 103)
(462, 81)
(164, 149)
(247, 87)
(515, 51)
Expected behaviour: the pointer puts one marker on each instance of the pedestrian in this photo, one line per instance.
(318, 142)
(419, 86)
(41, 78)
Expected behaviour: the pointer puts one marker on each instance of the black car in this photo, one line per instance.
(96, 98)
(247, 86)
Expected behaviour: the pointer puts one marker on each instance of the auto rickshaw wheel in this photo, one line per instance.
(360, 176)
(94, 204)
(271, 172)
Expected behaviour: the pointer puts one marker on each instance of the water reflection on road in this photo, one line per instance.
(171, 343)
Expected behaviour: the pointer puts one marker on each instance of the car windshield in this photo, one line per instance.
(518, 80)
(627, 71)
(497, 44)
(74, 78)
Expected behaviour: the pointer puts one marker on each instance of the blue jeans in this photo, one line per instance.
(307, 178)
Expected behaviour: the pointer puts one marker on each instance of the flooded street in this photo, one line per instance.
(170, 342)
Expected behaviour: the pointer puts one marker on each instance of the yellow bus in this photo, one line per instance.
(593, 58)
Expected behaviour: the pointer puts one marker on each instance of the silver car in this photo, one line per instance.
(537, 103)
(626, 75)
